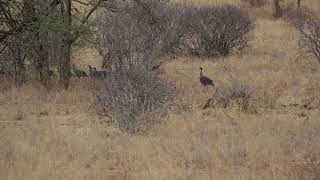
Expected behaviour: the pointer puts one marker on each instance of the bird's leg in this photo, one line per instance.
(207, 89)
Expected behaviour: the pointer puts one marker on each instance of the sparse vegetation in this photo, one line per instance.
(239, 94)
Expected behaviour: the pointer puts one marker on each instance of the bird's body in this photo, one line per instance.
(79, 73)
(93, 73)
(51, 73)
(205, 81)
(100, 74)
(156, 66)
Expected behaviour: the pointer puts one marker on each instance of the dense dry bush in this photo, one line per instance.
(223, 30)
(255, 3)
(172, 29)
(176, 28)
(12, 69)
(207, 31)
(135, 99)
(129, 35)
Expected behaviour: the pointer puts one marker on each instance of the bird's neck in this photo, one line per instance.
(201, 73)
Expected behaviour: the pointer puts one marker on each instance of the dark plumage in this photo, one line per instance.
(205, 81)
(93, 73)
(100, 74)
(51, 73)
(79, 73)
(156, 66)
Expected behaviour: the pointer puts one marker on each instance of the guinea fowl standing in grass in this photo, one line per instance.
(79, 73)
(205, 81)
(100, 74)
(156, 67)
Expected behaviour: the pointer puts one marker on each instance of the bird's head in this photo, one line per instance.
(201, 68)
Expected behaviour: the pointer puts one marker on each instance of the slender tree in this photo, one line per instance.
(298, 3)
(277, 7)
(26, 27)
(69, 37)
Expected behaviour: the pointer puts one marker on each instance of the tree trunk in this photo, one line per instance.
(42, 64)
(43, 67)
(39, 53)
(66, 46)
(298, 3)
(65, 65)
(19, 70)
(278, 10)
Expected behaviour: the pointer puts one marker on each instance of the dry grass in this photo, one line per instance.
(59, 137)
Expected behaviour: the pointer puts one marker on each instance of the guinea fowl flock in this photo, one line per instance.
(95, 74)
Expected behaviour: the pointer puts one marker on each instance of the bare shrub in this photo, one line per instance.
(309, 29)
(127, 36)
(255, 3)
(309, 43)
(208, 31)
(177, 27)
(224, 30)
(135, 99)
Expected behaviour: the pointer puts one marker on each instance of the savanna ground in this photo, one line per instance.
(60, 137)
